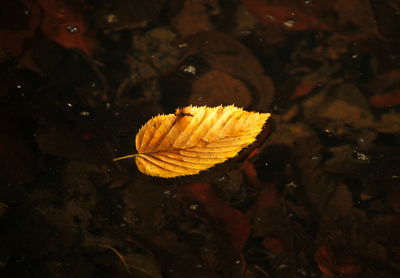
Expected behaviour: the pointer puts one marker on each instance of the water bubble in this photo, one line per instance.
(289, 23)
(167, 193)
(245, 32)
(108, 105)
(85, 113)
(223, 179)
(270, 17)
(237, 262)
(292, 184)
(302, 271)
(354, 56)
(282, 266)
(328, 132)
(194, 206)
(189, 69)
(183, 45)
(72, 28)
(111, 18)
(314, 157)
(19, 86)
(290, 216)
(307, 2)
(69, 104)
(358, 155)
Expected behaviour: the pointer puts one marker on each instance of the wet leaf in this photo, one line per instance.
(385, 100)
(216, 87)
(194, 139)
(57, 140)
(18, 157)
(227, 55)
(274, 245)
(3, 208)
(287, 14)
(394, 196)
(65, 25)
(20, 19)
(356, 20)
(389, 122)
(333, 264)
(118, 15)
(234, 221)
(142, 264)
(194, 17)
(137, 265)
(349, 107)
(353, 20)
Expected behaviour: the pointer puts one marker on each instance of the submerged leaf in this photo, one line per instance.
(194, 139)
(235, 223)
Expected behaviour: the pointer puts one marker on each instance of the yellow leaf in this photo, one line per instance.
(194, 139)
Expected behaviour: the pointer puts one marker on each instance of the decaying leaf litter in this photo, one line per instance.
(317, 195)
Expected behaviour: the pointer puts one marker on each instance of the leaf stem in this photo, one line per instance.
(119, 255)
(126, 156)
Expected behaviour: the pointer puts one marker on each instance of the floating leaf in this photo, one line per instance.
(194, 139)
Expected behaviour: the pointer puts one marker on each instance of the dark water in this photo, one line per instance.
(317, 195)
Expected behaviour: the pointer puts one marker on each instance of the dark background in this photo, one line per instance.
(318, 195)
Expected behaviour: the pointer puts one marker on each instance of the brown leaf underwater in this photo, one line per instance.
(194, 139)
